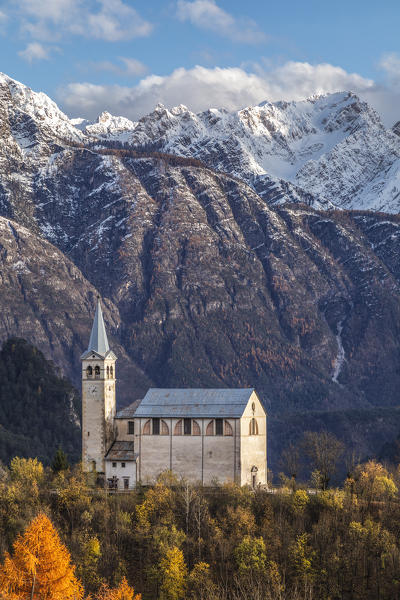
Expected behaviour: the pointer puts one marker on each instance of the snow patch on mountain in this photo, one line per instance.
(327, 151)
(107, 126)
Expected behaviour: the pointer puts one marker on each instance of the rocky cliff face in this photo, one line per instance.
(45, 299)
(333, 148)
(206, 282)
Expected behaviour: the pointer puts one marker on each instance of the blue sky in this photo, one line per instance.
(126, 56)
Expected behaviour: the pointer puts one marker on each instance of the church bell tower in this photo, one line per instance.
(98, 397)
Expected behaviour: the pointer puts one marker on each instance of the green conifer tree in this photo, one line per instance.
(60, 461)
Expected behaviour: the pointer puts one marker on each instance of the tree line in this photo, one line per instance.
(63, 539)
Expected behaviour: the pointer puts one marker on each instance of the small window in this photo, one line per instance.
(187, 426)
(123, 465)
(156, 426)
(146, 428)
(93, 465)
(97, 372)
(195, 428)
(253, 427)
(114, 465)
(131, 427)
(219, 427)
(178, 428)
(89, 372)
(108, 372)
(88, 433)
(111, 372)
(126, 483)
(210, 428)
(164, 428)
(254, 471)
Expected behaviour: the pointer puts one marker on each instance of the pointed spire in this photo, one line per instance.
(98, 338)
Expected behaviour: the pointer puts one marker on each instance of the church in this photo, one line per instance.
(204, 435)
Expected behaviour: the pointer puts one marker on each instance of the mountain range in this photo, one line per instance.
(256, 248)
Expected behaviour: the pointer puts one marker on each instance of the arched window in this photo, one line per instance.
(97, 372)
(164, 428)
(228, 428)
(210, 428)
(253, 427)
(89, 371)
(196, 428)
(178, 428)
(108, 372)
(146, 428)
(112, 372)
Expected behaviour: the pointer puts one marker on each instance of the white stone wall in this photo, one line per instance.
(198, 458)
(253, 448)
(202, 458)
(121, 472)
(98, 412)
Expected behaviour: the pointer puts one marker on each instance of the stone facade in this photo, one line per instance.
(205, 436)
(203, 455)
(98, 410)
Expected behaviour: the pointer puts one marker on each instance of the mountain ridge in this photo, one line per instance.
(208, 278)
(328, 150)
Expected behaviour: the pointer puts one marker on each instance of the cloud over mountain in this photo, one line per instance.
(200, 87)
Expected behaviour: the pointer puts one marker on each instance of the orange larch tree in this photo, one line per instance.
(40, 567)
(122, 592)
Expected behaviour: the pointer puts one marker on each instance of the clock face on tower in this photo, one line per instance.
(93, 389)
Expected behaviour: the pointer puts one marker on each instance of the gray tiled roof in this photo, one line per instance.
(121, 451)
(129, 411)
(192, 403)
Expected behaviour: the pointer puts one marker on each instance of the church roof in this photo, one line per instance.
(129, 411)
(98, 338)
(121, 450)
(191, 403)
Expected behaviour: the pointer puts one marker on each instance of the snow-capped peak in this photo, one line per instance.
(109, 126)
(330, 149)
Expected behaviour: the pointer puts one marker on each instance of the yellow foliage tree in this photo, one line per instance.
(26, 470)
(173, 575)
(122, 592)
(40, 568)
(374, 482)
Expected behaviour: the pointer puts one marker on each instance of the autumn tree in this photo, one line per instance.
(173, 575)
(200, 582)
(290, 461)
(40, 566)
(373, 482)
(324, 450)
(251, 555)
(123, 592)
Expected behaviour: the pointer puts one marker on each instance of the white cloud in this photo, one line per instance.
(34, 51)
(132, 67)
(109, 20)
(390, 65)
(206, 14)
(117, 21)
(201, 88)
